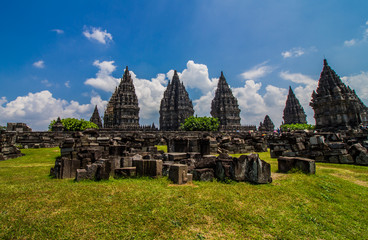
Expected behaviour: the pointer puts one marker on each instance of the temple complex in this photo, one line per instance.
(225, 106)
(267, 125)
(175, 105)
(293, 111)
(335, 105)
(122, 110)
(95, 118)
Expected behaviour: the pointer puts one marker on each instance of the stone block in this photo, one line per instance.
(224, 169)
(203, 174)
(362, 159)
(91, 171)
(178, 173)
(285, 164)
(207, 161)
(125, 172)
(257, 170)
(346, 159)
(150, 168)
(66, 167)
(176, 156)
(81, 174)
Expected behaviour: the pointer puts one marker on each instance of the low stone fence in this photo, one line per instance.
(343, 147)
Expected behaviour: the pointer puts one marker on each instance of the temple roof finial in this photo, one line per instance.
(325, 62)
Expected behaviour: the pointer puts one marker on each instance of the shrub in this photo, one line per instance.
(73, 124)
(297, 126)
(200, 124)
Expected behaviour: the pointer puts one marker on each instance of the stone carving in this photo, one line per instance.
(293, 111)
(122, 110)
(58, 126)
(267, 125)
(224, 105)
(335, 105)
(95, 118)
(175, 105)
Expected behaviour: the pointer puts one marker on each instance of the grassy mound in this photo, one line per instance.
(329, 205)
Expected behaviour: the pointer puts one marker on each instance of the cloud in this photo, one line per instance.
(67, 84)
(258, 71)
(356, 82)
(58, 31)
(97, 34)
(350, 43)
(46, 83)
(104, 80)
(292, 53)
(356, 41)
(39, 64)
(38, 109)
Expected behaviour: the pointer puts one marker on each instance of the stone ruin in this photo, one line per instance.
(267, 125)
(122, 111)
(89, 155)
(331, 147)
(175, 105)
(336, 107)
(293, 111)
(18, 127)
(8, 150)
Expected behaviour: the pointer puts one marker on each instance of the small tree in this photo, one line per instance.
(73, 124)
(200, 124)
(297, 126)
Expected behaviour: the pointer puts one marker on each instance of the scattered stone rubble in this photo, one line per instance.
(8, 150)
(343, 147)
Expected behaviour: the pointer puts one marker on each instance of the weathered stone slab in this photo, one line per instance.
(176, 156)
(178, 173)
(81, 174)
(257, 170)
(285, 164)
(203, 174)
(207, 161)
(125, 172)
(150, 168)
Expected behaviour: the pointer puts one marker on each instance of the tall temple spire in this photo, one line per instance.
(122, 110)
(293, 111)
(335, 105)
(95, 118)
(175, 105)
(224, 105)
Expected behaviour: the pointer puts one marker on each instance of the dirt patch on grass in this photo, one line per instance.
(347, 175)
(351, 179)
(278, 176)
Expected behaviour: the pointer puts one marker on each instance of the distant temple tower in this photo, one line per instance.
(267, 125)
(95, 118)
(122, 111)
(335, 105)
(175, 105)
(293, 111)
(224, 105)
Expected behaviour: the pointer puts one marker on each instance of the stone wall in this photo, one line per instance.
(349, 147)
(8, 150)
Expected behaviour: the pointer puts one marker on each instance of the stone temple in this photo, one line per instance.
(225, 106)
(335, 105)
(293, 111)
(122, 110)
(267, 125)
(95, 118)
(175, 105)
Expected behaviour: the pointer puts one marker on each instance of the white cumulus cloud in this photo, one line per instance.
(294, 52)
(350, 43)
(38, 109)
(101, 36)
(104, 80)
(58, 31)
(356, 82)
(257, 71)
(39, 64)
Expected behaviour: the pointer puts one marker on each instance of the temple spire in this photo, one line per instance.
(293, 111)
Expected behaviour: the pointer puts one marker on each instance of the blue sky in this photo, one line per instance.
(60, 58)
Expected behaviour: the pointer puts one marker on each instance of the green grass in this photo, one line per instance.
(329, 205)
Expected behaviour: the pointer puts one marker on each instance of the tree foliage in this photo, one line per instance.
(73, 124)
(200, 124)
(297, 126)
(2, 127)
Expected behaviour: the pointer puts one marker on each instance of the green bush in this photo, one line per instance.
(200, 124)
(297, 126)
(73, 124)
(2, 128)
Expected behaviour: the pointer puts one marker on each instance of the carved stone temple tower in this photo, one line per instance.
(293, 111)
(95, 118)
(224, 105)
(175, 105)
(335, 105)
(267, 125)
(122, 111)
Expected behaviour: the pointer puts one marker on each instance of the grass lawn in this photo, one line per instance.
(329, 205)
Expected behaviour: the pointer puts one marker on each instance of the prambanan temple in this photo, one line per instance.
(335, 106)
